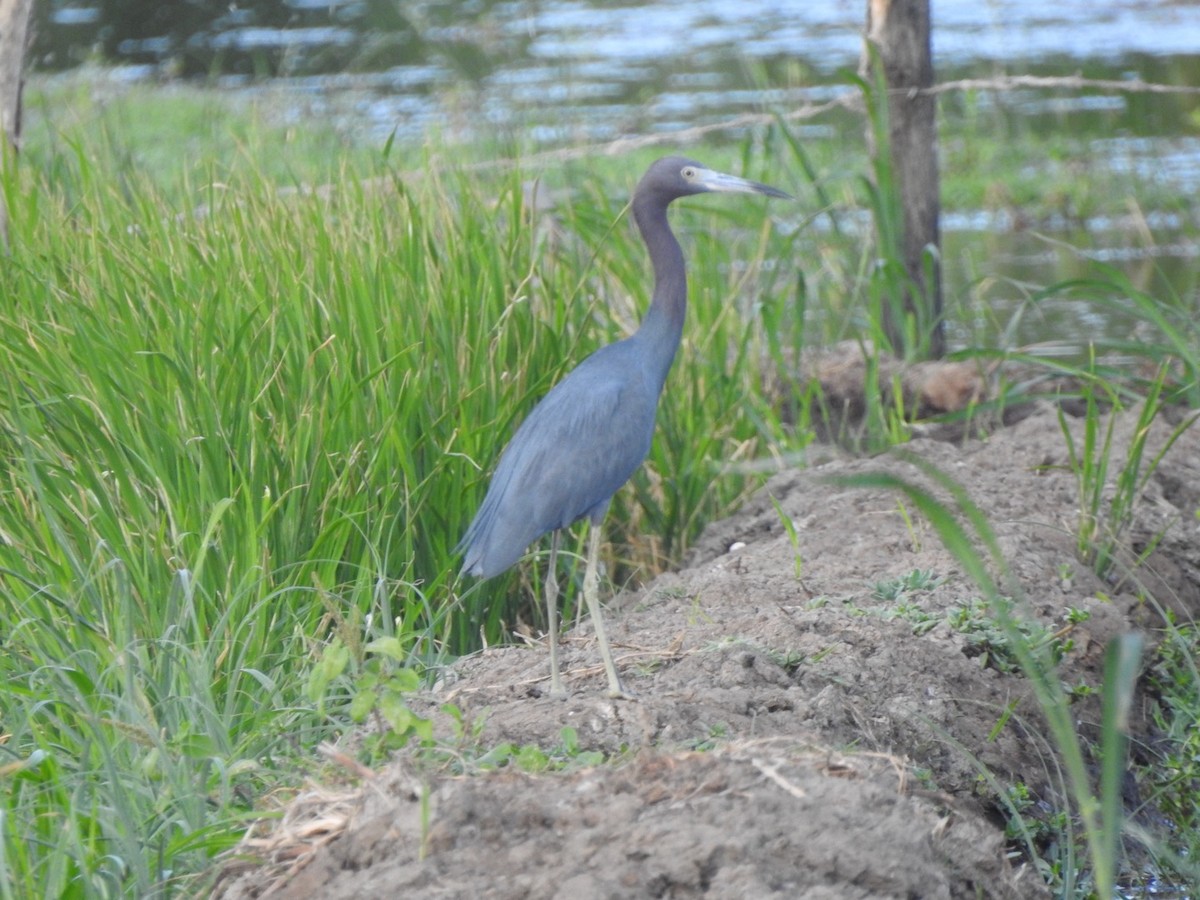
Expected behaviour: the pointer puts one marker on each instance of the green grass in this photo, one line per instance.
(179, 136)
(240, 433)
(236, 440)
(1171, 770)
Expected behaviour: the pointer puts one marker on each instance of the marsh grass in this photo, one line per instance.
(240, 433)
(1107, 505)
(1172, 775)
(241, 429)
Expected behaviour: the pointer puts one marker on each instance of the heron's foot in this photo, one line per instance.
(618, 692)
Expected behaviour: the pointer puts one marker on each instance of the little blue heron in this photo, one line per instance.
(591, 432)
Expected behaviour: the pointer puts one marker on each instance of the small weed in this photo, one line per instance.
(788, 660)
(822, 653)
(896, 592)
(1080, 691)
(850, 607)
(1076, 616)
(915, 581)
(924, 777)
(566, 755)
(1036, 820)
(717, 732)
(993, 644)
(923, 621)
(379, 688)
(789, 526)
(672, 592)
(888, 591)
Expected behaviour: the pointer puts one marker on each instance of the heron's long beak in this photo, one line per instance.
(709, 180)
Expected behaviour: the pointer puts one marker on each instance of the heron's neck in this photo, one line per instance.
(662, 326)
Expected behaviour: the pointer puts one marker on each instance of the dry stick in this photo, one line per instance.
(771, 771)
(1075, 82)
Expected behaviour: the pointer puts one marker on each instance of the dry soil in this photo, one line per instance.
(821, 728)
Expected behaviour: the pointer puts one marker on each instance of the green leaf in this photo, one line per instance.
(391, 647)
(332, 663)
(406, 681)
(1122, 662)
(396, 713)
(362, 704)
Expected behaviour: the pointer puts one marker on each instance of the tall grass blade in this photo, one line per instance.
(1122, 664)
(976, 549)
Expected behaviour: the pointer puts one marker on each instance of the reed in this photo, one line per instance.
(235, 434)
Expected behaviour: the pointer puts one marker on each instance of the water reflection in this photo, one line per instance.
(599, 68)
(1021, 308)
(596, 70)
(305, 37)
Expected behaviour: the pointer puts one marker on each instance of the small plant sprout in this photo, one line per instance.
(914, 536)
(789, 526)
(916, 581)
(1066, 575)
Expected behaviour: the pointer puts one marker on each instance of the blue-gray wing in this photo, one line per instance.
(578, 446)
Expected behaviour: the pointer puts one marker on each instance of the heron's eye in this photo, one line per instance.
(689, 173)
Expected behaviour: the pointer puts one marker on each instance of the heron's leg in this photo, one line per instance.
(591, 593)
(556, 685)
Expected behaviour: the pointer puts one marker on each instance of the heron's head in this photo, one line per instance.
(673, 177)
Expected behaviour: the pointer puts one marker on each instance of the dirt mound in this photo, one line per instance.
(817, 717)
(748, 820)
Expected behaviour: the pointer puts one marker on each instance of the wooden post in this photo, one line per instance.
(14, 32)
(899, 32)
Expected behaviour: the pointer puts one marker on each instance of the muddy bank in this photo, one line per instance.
(819, 728)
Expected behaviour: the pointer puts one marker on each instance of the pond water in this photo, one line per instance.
(584, 71)
(596, 69)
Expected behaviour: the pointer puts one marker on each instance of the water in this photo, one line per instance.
(576, 72)
(600, 69)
